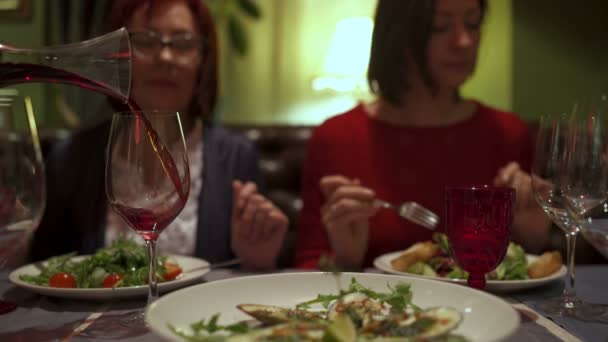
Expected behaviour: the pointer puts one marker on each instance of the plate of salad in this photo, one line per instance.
(117, 271)
(431, 259)
(341, 307)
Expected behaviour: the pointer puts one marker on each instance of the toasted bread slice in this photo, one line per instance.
(421, 251)
(546, 264)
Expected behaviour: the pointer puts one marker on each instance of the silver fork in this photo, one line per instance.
(412, 211)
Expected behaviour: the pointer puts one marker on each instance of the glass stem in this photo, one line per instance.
(152, 289)
(477, 281)
(569, 290)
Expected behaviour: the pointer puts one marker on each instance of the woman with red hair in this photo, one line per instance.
(174, 68)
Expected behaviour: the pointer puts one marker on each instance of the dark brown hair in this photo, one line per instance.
(121, 14)
(402, 30)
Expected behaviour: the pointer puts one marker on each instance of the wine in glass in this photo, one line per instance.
(22, 181)
(146, 186)
(478, 226)
(569, 179)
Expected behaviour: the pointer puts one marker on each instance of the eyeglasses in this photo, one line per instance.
(149, 43)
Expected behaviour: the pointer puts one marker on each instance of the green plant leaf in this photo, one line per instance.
(250, 8)
(238, 37)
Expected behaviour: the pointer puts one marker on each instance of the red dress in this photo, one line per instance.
(403, 164)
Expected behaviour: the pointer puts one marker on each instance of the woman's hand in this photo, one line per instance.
(530, 224)
(258, 227)
(345, 215)
(513, 176)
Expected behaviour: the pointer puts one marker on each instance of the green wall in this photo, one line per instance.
(288, 48)
(29, 32)
(536, 57)
(560, 53)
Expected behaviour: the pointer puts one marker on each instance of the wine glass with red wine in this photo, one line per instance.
(478, 226)
(22, 181)
(147, 176)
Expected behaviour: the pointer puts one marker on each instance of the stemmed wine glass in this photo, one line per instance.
(478, 226)
(570, 178)
(147, 176)
(22, 181)
(595, 225)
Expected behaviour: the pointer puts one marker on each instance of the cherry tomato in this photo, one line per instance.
(173, 270)
(112, 279)
(62, 279)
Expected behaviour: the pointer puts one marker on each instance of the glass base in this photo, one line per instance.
(116, 326)
(477, 281)
(135, 319)
(571, 306)
(7, 307)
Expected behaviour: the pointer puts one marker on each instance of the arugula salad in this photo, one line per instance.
(355, 314)
(432, 258)
(123, 264)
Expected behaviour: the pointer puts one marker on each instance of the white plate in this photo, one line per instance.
(188, 278)
(383, 263)
(486, 317)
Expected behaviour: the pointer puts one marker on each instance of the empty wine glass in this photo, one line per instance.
(587, 157)
(569, 178)
(147, 177)
(478, 226)
(595, 223)
(22, 182)
(595, 228)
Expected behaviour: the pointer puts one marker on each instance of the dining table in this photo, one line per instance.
(42, 318)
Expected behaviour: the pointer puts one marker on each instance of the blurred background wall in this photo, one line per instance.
(537, 57)
(560, 53)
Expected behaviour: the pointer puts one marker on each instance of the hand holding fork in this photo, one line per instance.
(411, 211)
(346, 212)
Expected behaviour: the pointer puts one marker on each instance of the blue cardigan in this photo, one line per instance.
(74, 219)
